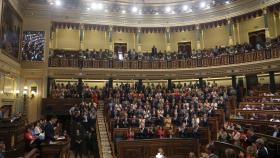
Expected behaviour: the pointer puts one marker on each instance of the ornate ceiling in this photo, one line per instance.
(142, 13)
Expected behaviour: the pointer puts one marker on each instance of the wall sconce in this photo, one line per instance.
(24, 92)
(17, 92)
(33, 94)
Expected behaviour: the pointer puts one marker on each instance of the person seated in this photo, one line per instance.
(159, 121)
(181, 130)
(143, 132)
(160, 132)
(236, 137)
(250, 152)
(171, 131)
(276, 132)
(150, 133)
(230, 153)
(262, 151)
(134, 122)
(204, 121)
(130, 134)
(125, 122)
(223, 136)
(196, 133)
(32, 140)
(210, 150)
(251, 137)
(49, 129)
(176, 120)
(167, 121)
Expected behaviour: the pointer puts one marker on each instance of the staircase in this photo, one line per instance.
(105, 150)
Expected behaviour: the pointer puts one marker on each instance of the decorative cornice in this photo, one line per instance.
(83, 16)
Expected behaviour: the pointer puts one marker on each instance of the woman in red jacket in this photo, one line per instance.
(160, 133)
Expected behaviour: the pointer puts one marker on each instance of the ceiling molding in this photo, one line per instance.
(237, 8)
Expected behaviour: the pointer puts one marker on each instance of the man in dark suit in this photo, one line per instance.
(154, 51)
(251, 138)
(262, 151)
(49, 130)
(78, 140)
(143, 132)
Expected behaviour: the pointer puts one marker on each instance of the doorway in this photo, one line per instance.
(120, 49)
(257, 38)
(185, 48)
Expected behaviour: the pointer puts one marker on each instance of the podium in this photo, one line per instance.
(13, 135)
(59, 149)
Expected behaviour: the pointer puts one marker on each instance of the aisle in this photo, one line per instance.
(103, 140)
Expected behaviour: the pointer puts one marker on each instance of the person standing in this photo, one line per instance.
(262, 151)
(78, 140)
(49, 130)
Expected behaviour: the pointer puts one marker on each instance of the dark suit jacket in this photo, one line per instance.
(49, 132)
(251, 139)
(262, 153)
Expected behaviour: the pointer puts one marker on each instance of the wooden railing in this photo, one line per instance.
(166, 64)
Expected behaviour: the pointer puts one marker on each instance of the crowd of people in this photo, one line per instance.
(154, 54)
(83, 120)
(33, 46)
(154, 108)
(75, 90)
(44, 130)
(81, 131)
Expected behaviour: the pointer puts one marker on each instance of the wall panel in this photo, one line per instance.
(217, 36)
(68, 39)
(150, 39)
(95, 40)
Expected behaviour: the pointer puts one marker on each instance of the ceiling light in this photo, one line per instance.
(123, 11)
(58, 3)
(106, 10)
(96, 6)
(202, 4)
(156, 13)
(173, 12)
(134, 9)
(93, 6)
(99, 6)
(207, 7)
(88, 8)
(167, 9)
(227, 2)
(140, 12)
(185, 7)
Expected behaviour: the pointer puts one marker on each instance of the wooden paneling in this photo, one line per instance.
(173, 148)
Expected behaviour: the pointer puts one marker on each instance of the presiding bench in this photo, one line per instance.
(51, 106)
(173, 148)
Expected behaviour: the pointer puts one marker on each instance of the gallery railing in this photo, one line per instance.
(166, 64)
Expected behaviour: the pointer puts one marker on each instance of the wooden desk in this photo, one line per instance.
(60, 149)
(147, 148)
